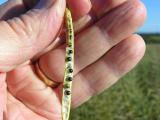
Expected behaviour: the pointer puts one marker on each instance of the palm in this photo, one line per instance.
(39, 102)
(98, 62)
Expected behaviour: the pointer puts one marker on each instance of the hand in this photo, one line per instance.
(105, 46)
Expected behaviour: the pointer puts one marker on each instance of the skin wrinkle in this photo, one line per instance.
(29, 16)
(102, 6)
(90, 91)
(6, 25)
(91, 84)
(18, 115)
(42, 24)
(25, 88)
(133, 55)
(43, 112)
(20, 110)
(18, 82)
(37, 107)
(13, 26)
(45, 102)
(57, 14)
(12, 51)
(120, 66)
(111, 22)
(21, 88)
(139, 16)
(86, 94)
(17, 91)
(101, 83)
(11, 102)
(47, 113)
(93, 17)
(31, 89)
(30, 28)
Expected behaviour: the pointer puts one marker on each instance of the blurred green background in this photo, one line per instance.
(135, 97)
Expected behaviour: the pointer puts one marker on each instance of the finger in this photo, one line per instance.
(24, 38)
(107, 70)
(3, 95)
(99, 9)
(95, 41)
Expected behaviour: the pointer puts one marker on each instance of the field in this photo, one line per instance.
(135, 97)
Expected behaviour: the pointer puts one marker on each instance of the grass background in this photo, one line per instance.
(135, 97)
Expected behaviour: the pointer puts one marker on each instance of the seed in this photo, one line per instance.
(70, 51)
(70, 70)
(68, 59)
(69, 78)
(70, 37)
(67, 92)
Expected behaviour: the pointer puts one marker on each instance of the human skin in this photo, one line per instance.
(105, 50)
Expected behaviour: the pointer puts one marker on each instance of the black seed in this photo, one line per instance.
(69, 78)
(68, 59)
(70, 70)
(70, 51)
(70, 37)
(67, 92)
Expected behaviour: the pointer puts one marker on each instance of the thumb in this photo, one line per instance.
(21, 38)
